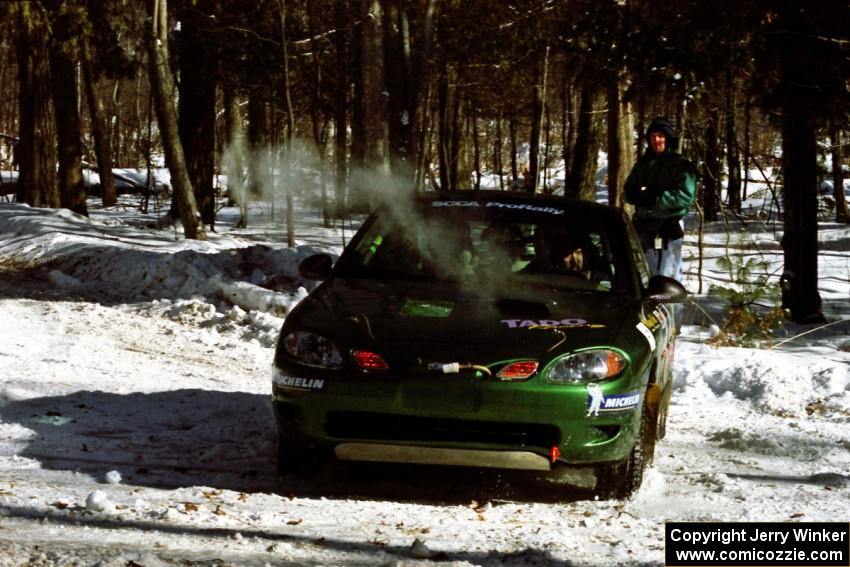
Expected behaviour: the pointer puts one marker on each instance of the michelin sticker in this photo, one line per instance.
(599, 402)
(297, 383)
(650, 338)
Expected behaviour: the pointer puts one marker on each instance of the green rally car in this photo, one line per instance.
(483, 329)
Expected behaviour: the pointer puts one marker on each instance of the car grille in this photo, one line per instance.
(386, 427)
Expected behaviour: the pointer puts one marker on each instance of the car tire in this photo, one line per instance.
(295, 456)
(620, 480)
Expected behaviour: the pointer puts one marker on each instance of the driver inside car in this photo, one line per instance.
(557, 252)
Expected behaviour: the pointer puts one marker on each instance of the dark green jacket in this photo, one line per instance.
(663, 189)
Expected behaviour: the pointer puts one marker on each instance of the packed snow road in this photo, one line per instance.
(142, 434)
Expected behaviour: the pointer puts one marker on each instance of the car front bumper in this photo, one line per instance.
(459, 419)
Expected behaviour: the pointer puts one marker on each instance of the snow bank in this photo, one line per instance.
(108, 259)
(772, 382)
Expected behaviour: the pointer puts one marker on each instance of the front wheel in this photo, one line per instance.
(620, 480)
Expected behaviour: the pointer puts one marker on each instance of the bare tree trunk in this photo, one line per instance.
(455, 142)
(290, 131)
(513, 136)
(530, 183)
(537, 91)
(8, 111)
(841, 212)
(374, 102)
(621, 147)
(443, 131)
(115, 131)
(316, 118)
(420, 69)
(800, 241)
(341, 139)
(682, 119)
(406, 55)
(36, 152)
(369, 124)
(423, 143)
(258, 137)
(316, 90)
(641, 121)
(102, 139)
(435, 185)
(163, 91)
(711, 179)
(620, 155)
(566, 120)
(476, 148)
(358, 97)
(196, 110)
(72, 190)
(399, 85)
(324, 177)
(497, 154)
(627, 144)
(747, 148)
(582, 181)
(733, 156)
(173, 214)
(547, 131)
(235, 145)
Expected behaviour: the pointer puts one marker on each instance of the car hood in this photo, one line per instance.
(427, 319)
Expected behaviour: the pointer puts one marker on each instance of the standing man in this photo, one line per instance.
(662, 187)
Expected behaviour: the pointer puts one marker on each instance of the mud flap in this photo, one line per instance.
(653, 403)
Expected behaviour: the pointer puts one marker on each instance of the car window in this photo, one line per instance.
(638, 254)
(486, 247)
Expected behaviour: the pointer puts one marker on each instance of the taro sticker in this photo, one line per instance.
(598, 402)
(525, 323)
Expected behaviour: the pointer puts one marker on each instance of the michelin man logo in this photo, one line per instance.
(594, 392)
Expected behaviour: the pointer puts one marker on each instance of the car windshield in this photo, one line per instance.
(484, 244)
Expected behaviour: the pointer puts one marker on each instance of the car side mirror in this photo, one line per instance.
(316, 267)
(662, 289)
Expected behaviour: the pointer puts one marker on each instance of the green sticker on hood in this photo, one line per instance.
(427, 308)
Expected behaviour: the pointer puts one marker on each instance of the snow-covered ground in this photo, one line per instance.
(136, 426)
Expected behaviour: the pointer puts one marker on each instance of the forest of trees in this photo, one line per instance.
(411, 94)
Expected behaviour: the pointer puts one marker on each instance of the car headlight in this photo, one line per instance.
(586, 366)
(312, 349)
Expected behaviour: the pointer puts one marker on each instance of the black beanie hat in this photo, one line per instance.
(661, 124)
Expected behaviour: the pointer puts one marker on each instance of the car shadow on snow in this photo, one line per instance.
(165, 439)
(431, 484)
(227, 440)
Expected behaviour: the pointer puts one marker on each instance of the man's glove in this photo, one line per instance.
(644, 197)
